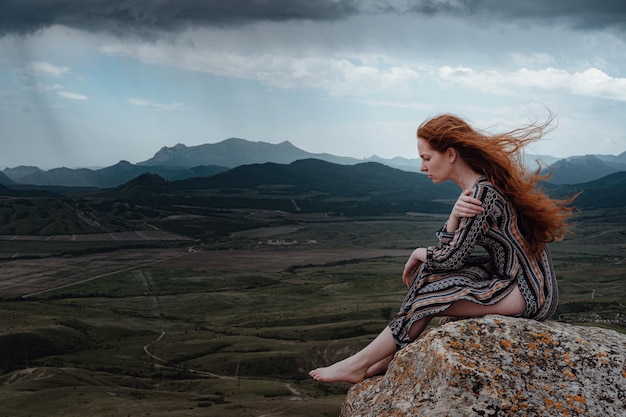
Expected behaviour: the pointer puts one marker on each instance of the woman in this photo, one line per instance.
(499, 209)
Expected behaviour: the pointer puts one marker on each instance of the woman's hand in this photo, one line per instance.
(412, 266)
(466, 205)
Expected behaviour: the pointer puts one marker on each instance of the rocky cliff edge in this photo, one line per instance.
(500, 366)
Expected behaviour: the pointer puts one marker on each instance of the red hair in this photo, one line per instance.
(498, 156)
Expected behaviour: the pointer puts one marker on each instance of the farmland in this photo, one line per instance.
(163, 324)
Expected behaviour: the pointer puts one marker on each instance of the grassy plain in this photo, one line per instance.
(231, 327)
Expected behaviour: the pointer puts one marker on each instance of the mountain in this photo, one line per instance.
(124, 171)
(20, 172)
(606, 192)
(82, 177)
(181, 162)
(303, 186)
(621, 158)
(309, 175)
(108, 177)
(312, 185)
(579, 169)
(145, 186)
(5, 180)
(405, 164)
(234, 152)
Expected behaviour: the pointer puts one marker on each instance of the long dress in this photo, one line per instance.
(451, 273)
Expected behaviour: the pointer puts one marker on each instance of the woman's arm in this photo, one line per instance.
(417, 258)
(453, 250)
(465, 206)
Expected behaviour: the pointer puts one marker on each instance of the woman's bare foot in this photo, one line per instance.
(354, 368)
(341, 371)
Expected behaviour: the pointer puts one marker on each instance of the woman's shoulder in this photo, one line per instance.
(483, 183)
(483, 186)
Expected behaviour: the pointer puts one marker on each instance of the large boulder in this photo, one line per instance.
(500, 366)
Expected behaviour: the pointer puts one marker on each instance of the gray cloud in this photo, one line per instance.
(149, 16)
(580, 14)
(120, 16)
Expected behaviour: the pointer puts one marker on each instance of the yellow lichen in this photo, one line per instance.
(542, 338)
(506, 344)
(454, 344)
(569, 373)
(603, 357)
(575, 398)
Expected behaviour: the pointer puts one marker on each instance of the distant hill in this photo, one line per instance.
(4, 180)
(579, 169)
(303, 186)
(108, 177)
(181, 162)
(146, 186)
(313, 175)
(20, 172)
(234, 152)
(606, 192)
(312, 185)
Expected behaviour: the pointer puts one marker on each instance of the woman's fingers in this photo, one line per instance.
(410, 272)
(466, 205)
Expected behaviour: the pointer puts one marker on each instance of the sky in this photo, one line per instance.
(91, 83)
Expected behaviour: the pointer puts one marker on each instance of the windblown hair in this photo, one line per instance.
(541, 219)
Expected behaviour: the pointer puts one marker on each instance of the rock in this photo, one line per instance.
(500, 366)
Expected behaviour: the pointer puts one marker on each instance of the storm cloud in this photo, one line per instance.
(90, 82)
(116, 16)
(151, 16)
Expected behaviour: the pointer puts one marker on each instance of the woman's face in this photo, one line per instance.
(435, 165)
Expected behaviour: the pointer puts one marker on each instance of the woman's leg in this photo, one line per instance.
(354, 368)
(380, 367)
(372, 360)
(375, 357)
(511, 305)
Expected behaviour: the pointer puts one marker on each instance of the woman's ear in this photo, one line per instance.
(451, 155)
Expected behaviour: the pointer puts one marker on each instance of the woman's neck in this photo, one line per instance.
(465, 177)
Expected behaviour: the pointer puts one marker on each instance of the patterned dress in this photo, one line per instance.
(451, 273)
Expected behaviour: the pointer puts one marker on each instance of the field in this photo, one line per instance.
(155, 324)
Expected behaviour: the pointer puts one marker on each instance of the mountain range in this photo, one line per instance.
(182, 162)
(368, 188)
(303, 186)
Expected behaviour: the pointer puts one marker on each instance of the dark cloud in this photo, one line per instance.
(146, 16)
(120, 16)
(579, 14)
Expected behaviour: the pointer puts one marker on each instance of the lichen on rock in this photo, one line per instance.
(500, 366)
